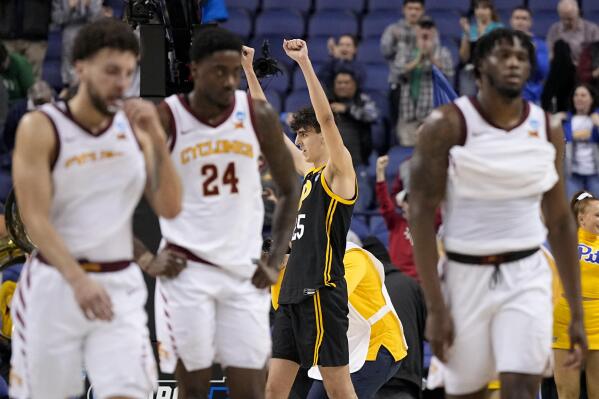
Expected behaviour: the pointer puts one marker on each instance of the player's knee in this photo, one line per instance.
(274, 389)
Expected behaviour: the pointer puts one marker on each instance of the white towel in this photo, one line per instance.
(486, 170)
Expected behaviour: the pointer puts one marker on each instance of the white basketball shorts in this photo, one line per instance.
(207, 315)
(54, 345)
(502, 327)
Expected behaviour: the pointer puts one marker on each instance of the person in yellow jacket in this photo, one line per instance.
(586, 211)
(375, 334)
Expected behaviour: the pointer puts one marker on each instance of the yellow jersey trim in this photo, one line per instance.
(329, 249)
(335, 196)
(319, 327)
(314, 170)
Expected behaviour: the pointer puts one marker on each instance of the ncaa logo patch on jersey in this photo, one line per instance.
(533, 128)
(239, 117)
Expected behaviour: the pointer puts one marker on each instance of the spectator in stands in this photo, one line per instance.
(72, 15)
(400, 238)
(24, 26)
(588, 65)
(342, 57)
(408, 301)
(560, 81)
(485, 20)
(401, 34)
(37, 95)
(521, 20)
(572, 29)
(16, 73)
(413, 66)
(355, 112)
(581, 131)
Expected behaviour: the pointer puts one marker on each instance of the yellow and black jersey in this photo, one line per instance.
(318, 241)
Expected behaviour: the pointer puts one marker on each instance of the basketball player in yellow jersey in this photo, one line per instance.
(311, 325)
(586, 211)
(80, 168)
(376, 336)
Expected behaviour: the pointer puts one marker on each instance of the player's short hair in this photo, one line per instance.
(352, 38)
(580, 201)
(487, 43)
(305, 118)
(104, 33)
(211, 39)
(521, 8)
(405, 2)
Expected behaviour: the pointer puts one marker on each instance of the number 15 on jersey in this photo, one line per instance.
(298, 232)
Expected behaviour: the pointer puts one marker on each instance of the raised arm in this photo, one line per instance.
(440, 131)
(256, 92)
(277, 156)
(35, 151)
(163, 188)
(562, 238)
(340, 174)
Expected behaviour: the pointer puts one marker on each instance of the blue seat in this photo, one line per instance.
(505, 16)
(359, 226)
(286, 23)
(544, 5)
(508, 4)
(369, 51)
(454, 49)
(356, 6)
(447, 22)
(378, 228)
(380, 136)
(317, 47)
(375, 23)
(381, 99)
(459, 5)
(250, 5)
(53, 61)
(376, 77)
(395, 5)
(239, 22)
(588, 7)
(543, 21)
(300, 5)
(298, 81)
(332, 23)
(296, 100)
(51, 74)
(274, 99)
(278, 83)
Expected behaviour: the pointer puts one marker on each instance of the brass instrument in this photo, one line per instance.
(15, 246)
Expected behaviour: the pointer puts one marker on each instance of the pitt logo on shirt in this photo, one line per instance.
(212, 147)
(586, 254)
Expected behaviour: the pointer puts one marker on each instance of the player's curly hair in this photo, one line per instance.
(487, 43)
(101, 34)
(580, 201)
(305, 118)
(211, 39)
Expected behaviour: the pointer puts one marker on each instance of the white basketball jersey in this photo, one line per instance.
(496, 180)
(97, 182)
(222, 216)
